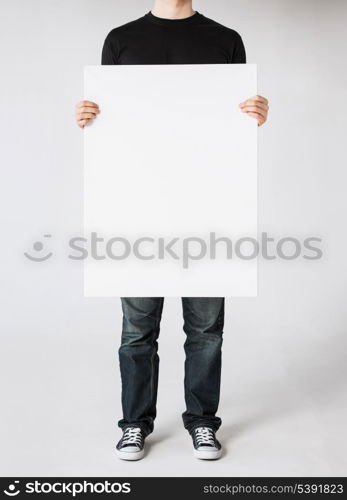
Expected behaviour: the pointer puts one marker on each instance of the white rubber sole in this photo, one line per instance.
(130, 455)
(208, 454)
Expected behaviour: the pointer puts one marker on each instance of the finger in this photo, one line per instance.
(84, 119)
(257, 98)
(87, 103)
(260, 98)
(82, 123)
(255, 109)
(90, 116)
(252, 102)
(88, 109)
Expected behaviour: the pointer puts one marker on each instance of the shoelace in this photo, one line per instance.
(204, 435)
(132, 435)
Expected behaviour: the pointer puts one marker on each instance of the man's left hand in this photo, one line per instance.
(257, 107)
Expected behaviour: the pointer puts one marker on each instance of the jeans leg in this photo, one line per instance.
(203, 325)
(139, 361)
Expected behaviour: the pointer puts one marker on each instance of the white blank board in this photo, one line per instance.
(170, 160)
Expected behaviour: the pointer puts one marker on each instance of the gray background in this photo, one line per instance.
(284, 380)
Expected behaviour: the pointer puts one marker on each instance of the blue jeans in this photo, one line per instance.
(139, 360)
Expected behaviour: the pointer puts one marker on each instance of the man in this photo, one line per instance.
(172, 33)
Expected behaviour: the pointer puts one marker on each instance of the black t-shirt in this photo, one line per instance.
(192, 40)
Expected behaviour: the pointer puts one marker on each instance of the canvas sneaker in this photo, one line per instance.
(206, 445)
(131, 445)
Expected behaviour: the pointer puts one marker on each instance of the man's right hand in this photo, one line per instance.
(86, 111)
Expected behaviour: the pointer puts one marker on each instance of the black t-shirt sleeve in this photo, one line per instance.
(239, 52)
(109, 53)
